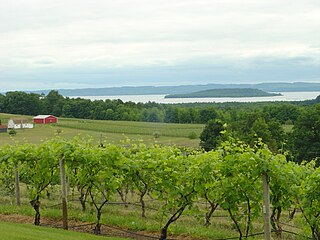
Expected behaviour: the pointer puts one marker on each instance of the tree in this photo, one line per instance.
(22, 103)
(211, 135)
(207, 114)
(172, 115)
(54, 103)
(152, 115)
(306, 135)
(2, 99)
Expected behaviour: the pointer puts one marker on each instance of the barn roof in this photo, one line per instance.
(43, 116)
(3, 126)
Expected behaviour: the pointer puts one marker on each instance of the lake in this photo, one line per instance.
(286, 96)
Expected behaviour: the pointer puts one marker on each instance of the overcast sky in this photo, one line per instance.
(84, 43)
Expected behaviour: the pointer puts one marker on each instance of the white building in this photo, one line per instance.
(18, 123)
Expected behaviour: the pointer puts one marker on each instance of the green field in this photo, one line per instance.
(141, 128)
(109, 131)
(15, 231)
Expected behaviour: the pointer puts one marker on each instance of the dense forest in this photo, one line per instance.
(245, 121)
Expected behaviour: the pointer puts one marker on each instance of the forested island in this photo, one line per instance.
(225, 92)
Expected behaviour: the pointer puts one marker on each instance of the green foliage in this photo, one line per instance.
(310, 202)
(192, 135)
(22, 103)
(229, 177)
(12, 132)
(306, 135)
(2, 100)
(249, 127)
(211, 135)
(156, 134)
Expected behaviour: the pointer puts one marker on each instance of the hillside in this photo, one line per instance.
(147, 90)
(227, 92)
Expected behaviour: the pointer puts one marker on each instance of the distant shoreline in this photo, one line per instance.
(160, 98)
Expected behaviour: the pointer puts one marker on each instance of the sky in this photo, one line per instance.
(54, 44)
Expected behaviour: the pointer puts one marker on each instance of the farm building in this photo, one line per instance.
(3, 128)
(44, 119)
(18, 123)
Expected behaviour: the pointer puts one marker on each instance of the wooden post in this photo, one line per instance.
(63, 193)
(17, 184)
(266, 206)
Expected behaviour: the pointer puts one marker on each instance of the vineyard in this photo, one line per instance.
(142, 128)
(170, 191)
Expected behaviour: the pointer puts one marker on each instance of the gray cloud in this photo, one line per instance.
(141, 41)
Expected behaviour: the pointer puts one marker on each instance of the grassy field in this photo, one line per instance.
(15, 231)
(109, 131)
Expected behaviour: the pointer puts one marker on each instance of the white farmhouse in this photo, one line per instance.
(18, 123)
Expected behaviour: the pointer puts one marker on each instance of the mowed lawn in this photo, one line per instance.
(16, 231)
(109, 131)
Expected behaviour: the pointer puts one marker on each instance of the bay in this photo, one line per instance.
(286, 96)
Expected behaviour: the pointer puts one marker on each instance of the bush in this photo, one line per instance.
(58, 131)
(156, 134)
(192, 135)
(12, 132)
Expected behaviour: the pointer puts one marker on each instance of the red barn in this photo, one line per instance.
(44, 119)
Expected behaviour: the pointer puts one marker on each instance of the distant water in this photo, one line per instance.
(286, 96)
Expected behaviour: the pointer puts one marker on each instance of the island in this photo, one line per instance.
(225, 92)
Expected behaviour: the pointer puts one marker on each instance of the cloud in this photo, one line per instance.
(39, 37)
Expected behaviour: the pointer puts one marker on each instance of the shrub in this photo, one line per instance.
(12, 132)
(156, 134)
(192, 135)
